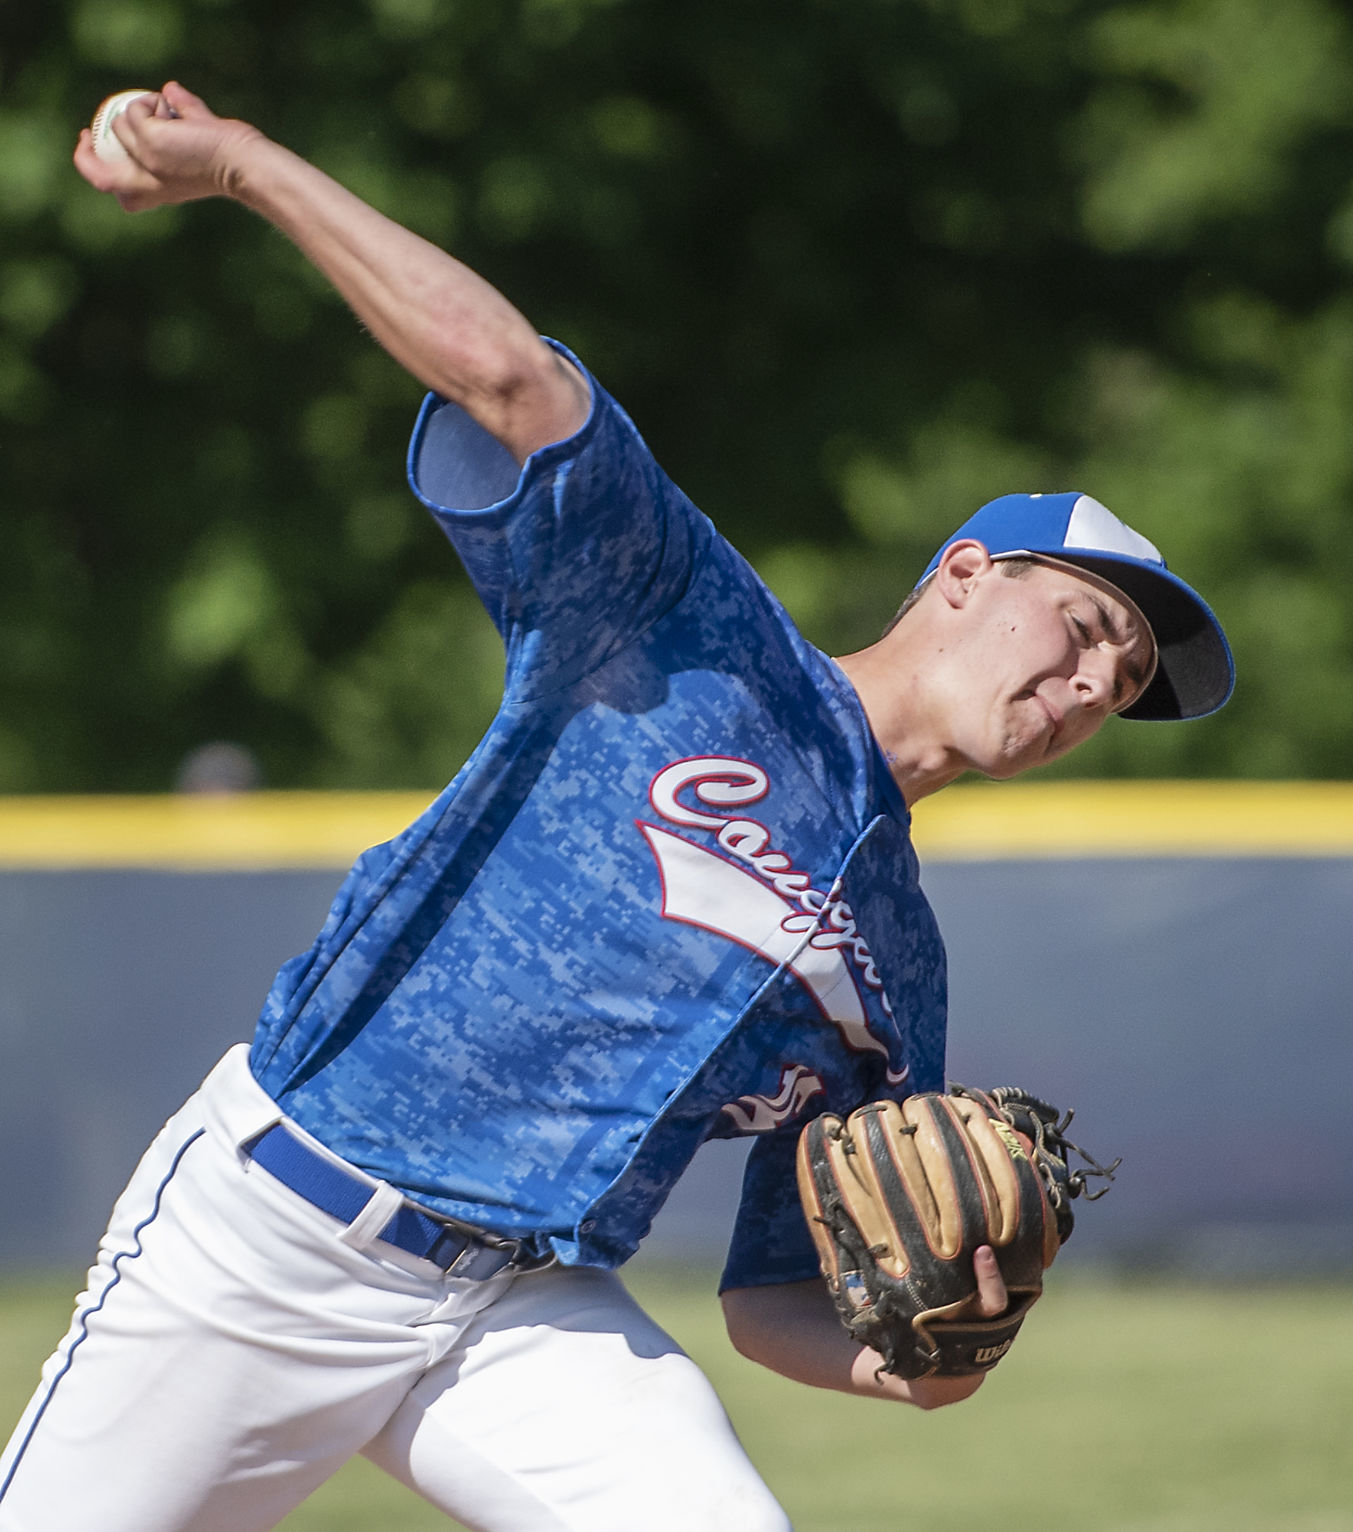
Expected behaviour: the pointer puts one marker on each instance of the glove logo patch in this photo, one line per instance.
(854, 1287)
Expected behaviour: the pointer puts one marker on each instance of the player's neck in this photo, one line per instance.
(907, 722)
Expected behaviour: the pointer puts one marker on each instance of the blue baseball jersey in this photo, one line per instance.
(671, 895)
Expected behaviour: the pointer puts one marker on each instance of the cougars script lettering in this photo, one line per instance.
(717, 781)
(773, 907)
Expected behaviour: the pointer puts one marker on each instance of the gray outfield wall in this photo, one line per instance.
(1195, 1011)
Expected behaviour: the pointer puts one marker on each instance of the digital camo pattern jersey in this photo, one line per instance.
(671, 895)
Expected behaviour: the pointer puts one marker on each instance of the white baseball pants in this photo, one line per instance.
(235, 1345)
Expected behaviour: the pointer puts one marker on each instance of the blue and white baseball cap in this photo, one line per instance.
(1195, 673)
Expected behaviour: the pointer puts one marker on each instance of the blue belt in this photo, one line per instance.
(459, 1251)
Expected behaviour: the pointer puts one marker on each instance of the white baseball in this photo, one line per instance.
(107, 145)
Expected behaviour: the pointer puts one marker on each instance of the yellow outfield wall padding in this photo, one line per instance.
(245, 831)
(978, 822)
(1135, 819)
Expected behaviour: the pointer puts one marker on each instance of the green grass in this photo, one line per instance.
(1138, 1407)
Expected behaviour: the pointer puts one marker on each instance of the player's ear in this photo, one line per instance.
(963, 564)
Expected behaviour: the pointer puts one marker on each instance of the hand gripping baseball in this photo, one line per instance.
(178, 150)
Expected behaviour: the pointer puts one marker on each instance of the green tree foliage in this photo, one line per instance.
(854, 266)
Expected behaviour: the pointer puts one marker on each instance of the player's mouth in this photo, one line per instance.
(1055, 720)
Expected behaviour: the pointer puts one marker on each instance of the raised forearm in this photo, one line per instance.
(441, 321)
(448, 327)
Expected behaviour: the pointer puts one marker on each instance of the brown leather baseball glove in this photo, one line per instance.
(900, 1195)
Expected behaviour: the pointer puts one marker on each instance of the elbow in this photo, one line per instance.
(759, 1330)
(742, 1335)
(513, 373)
(531, 397)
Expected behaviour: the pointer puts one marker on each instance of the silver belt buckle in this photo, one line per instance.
(479, 1261)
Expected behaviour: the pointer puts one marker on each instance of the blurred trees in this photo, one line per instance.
(854, 266)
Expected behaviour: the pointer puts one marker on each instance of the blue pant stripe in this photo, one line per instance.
(103, 1298)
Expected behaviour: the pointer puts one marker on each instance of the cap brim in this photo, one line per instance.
(1195, 673)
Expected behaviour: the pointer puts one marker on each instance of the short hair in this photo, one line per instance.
(1013, 568)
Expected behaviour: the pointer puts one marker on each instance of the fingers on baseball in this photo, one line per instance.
(103, 174)
(136, 126)
(123, 179)
(178, 101)
(138, 178)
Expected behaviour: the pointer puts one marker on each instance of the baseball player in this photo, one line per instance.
(671, 896)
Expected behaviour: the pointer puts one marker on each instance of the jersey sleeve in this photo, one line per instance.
(771, 1242)
(573, 556)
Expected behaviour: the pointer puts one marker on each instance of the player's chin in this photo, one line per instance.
(1002, 771)
(1042, 746)
(1013, 757)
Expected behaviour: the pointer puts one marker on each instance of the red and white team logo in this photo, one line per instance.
(753, 894)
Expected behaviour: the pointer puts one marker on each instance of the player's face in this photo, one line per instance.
(1052, 655)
